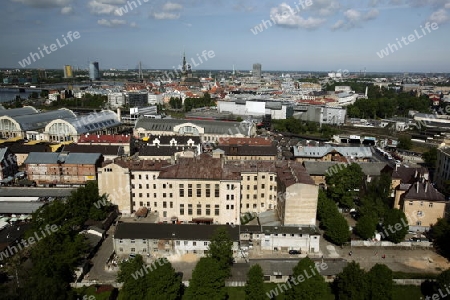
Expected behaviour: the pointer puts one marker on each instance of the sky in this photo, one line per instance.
(300, 35)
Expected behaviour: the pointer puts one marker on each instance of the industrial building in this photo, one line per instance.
(70, 129)
(31, 126)
(257, 108)
(321, 114)
(208, 131)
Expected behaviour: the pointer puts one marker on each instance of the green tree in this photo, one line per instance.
(379, 283)
(337, 230)
(366, 226)
(134, 287)
(254, 288)
(163, 282)
(351, 283)
(207, 281)
(430, 157)
(404, 142)
(440, 233)
(344, 183)
(220, 249)
(306, 282)
(394, 227)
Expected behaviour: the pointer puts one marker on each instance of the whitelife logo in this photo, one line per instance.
(391, 48)
(11, 250)
(53, 47)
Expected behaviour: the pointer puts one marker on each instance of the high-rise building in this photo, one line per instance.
(94, 72)
(256, 71)
(68, 72)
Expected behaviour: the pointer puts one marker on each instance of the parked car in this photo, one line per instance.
(294, 252)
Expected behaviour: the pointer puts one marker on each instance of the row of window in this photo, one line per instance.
(199, 208)
(271, 178)
(178, 243)
(263, 186)
(421, 203)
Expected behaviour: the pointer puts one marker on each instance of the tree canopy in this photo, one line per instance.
(307, 287)
(220, 249)
(207, 281)
(254, 288)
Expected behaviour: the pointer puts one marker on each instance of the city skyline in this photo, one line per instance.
(316, 35)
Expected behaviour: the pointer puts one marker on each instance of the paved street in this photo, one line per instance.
(98, 271)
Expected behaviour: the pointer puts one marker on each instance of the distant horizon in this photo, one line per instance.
(379, 35)
(236, 70)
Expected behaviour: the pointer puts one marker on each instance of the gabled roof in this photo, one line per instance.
(423, 191)
(409, 175)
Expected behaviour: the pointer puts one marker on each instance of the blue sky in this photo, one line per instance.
(320, 35)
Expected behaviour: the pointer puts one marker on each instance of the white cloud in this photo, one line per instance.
(169, 6)
(324, 7)
(440, 16)
(45, 3)
(338, 25)
(111, 23)
(102, 7)
(352, 15)
(67, 10)
(285, 16)
(133, 24)
(165, 15)
(354, 18)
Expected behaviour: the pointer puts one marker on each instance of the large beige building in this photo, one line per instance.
(205, 189)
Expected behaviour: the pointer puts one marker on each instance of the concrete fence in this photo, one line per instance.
(390, 244)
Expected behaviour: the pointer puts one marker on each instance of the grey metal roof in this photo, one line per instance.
(42, 158)
(53, 158)
(35, 192)
(22, 111)
(211, 127)
(82, 158)
(321, 167)
(19, 207)
(94, 121)
(38, 121)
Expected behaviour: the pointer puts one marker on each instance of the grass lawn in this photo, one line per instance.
(401, 292)
(90, 291)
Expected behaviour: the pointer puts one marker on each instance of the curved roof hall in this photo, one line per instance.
(15, 112)
(38, 121)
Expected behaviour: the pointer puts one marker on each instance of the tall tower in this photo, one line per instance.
(94, 72)
(184, 68)
(68, 71)
(257, 71)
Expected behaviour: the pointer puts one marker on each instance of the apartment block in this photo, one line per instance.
(211, 190)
